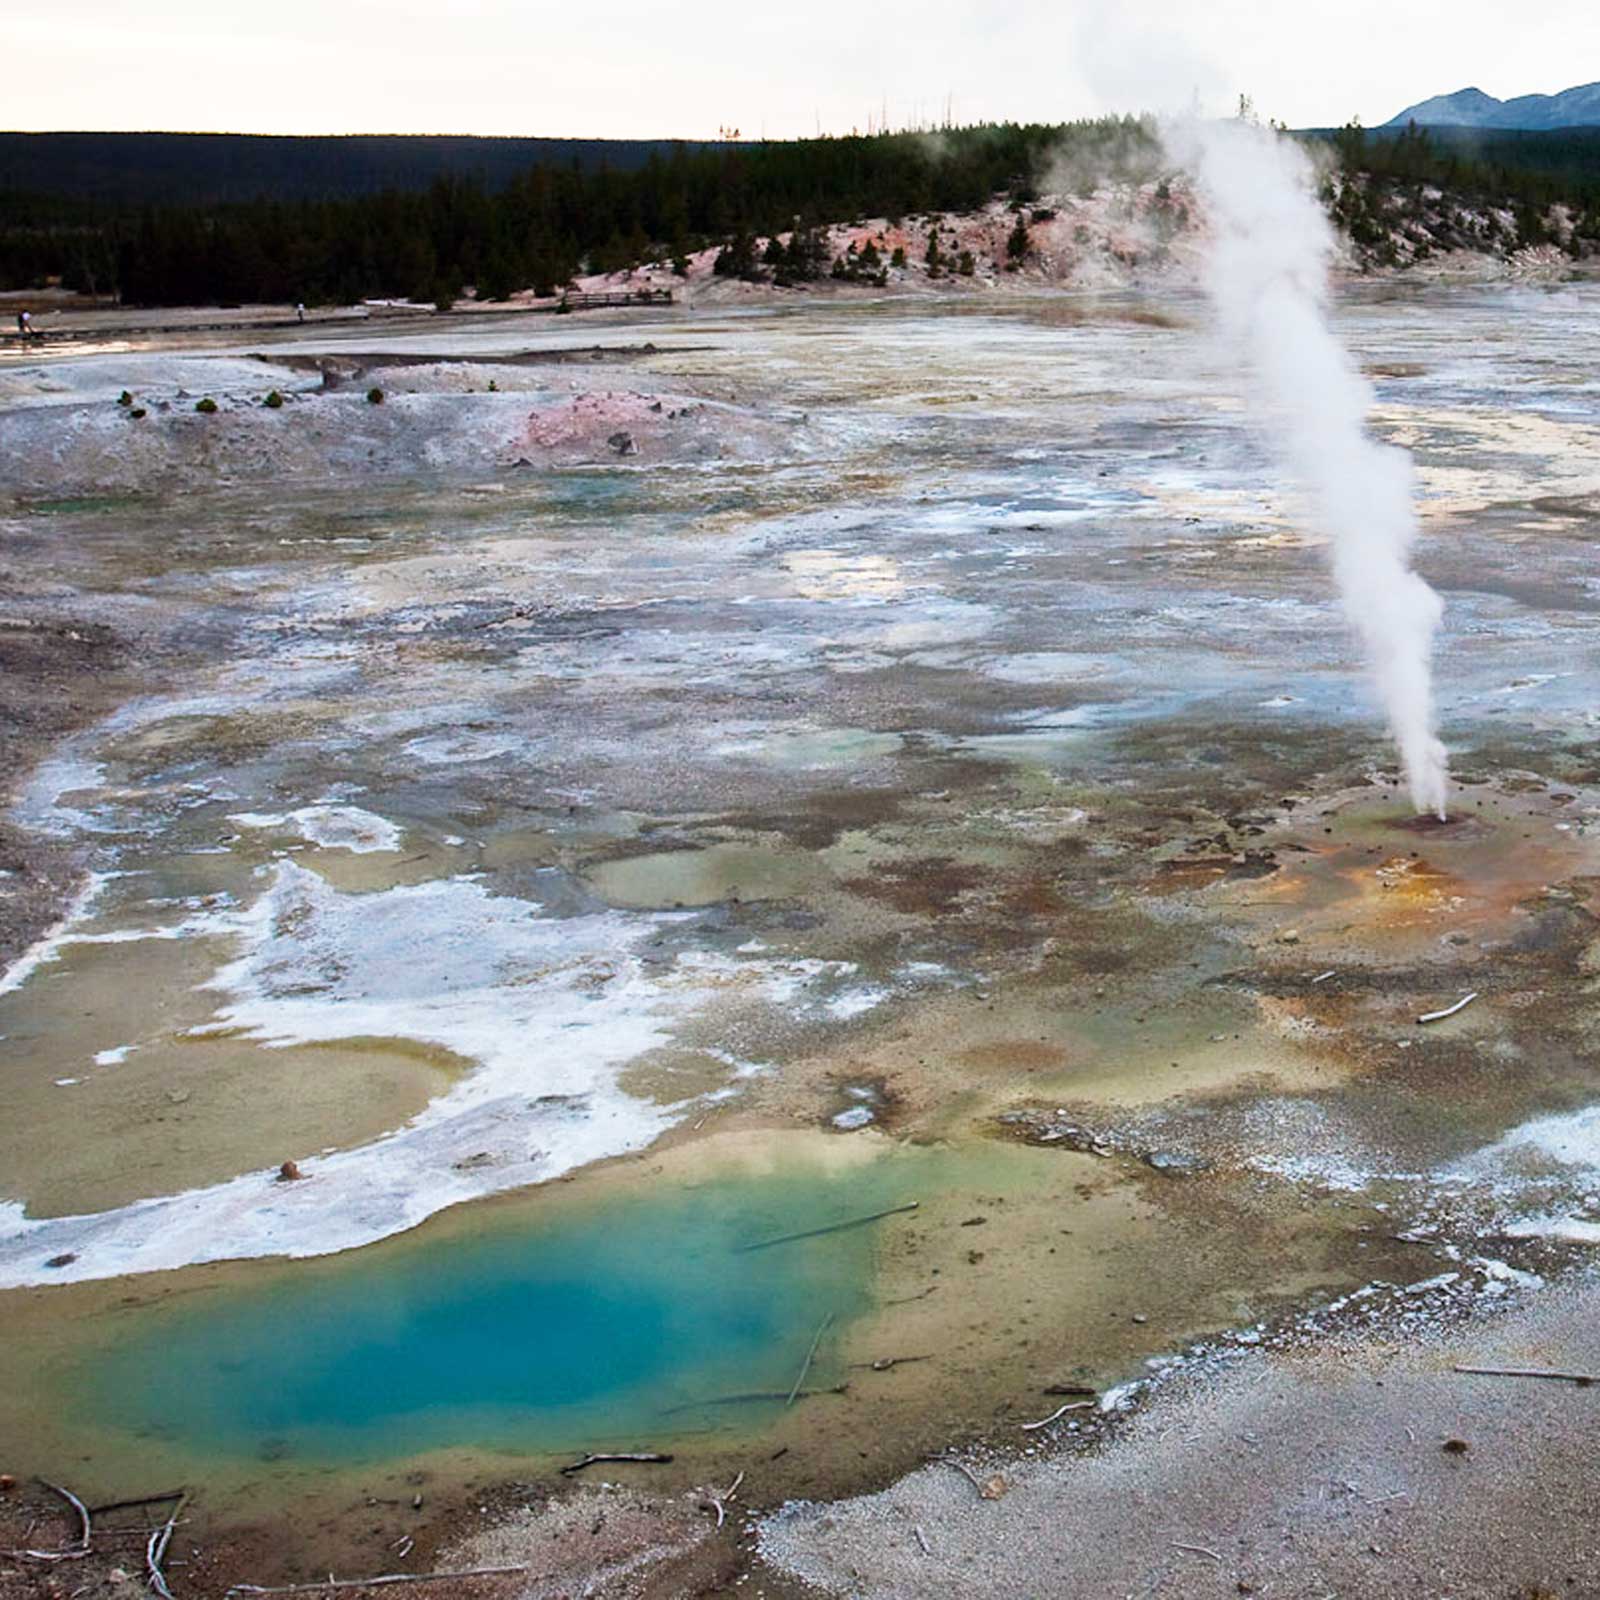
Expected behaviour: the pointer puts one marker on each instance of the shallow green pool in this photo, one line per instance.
(538, 1332)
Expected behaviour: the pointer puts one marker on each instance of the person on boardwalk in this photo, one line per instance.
(24, 324)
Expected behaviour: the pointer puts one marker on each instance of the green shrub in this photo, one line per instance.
(898, 259)
(965, 264)
(273, 401)
(206, 407)
(374, 397)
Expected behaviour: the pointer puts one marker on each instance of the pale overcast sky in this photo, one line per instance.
(648, 68)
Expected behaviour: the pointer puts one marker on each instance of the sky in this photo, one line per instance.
(662, 68)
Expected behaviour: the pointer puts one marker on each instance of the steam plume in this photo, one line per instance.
(1267, 273)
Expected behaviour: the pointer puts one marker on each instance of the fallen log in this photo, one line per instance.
(650, 1457)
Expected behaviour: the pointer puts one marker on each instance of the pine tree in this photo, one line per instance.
(1017, 246)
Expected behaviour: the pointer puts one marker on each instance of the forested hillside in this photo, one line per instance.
(121, 169)
(540, 227)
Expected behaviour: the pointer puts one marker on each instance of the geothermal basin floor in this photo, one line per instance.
(616, 804)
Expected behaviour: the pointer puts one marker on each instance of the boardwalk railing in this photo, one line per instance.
(626, 297)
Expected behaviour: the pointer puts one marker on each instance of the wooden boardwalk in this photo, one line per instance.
(625, 297)
(46, 339)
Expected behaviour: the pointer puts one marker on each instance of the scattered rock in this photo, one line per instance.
(64, 1260)
(289, 1172)
(1455, 1447)
(623, 444)
(1177, 1163)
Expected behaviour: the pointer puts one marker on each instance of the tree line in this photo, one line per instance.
(553, 221)
(542, 227)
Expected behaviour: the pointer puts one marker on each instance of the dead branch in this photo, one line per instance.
(1582, 1379)
(647, 1456)
(884, 1363)
(1449, 1011)
(965, 1471)
(752, 1397)
(991, 1488)
(372, 1583)
(907, 1299)
(73, 1552)
(156, 1551)
(1198, 1550)
(718, 1499)
(138, 1500)
(811, 1355)
(922, 1538)
(832, 1227)
(78, 1506)
(1059, 1413)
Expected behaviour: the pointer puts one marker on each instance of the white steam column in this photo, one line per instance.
(1267, 272)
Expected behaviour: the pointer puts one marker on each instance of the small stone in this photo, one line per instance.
(64, 1260)
(289, 1172)
(1140, 1317)
(1289, 936)
(7, 1483)
(1455, 1447)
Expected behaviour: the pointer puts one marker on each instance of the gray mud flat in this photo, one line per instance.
(908, 749)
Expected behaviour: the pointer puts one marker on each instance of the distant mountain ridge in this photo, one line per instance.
(1472, 108)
